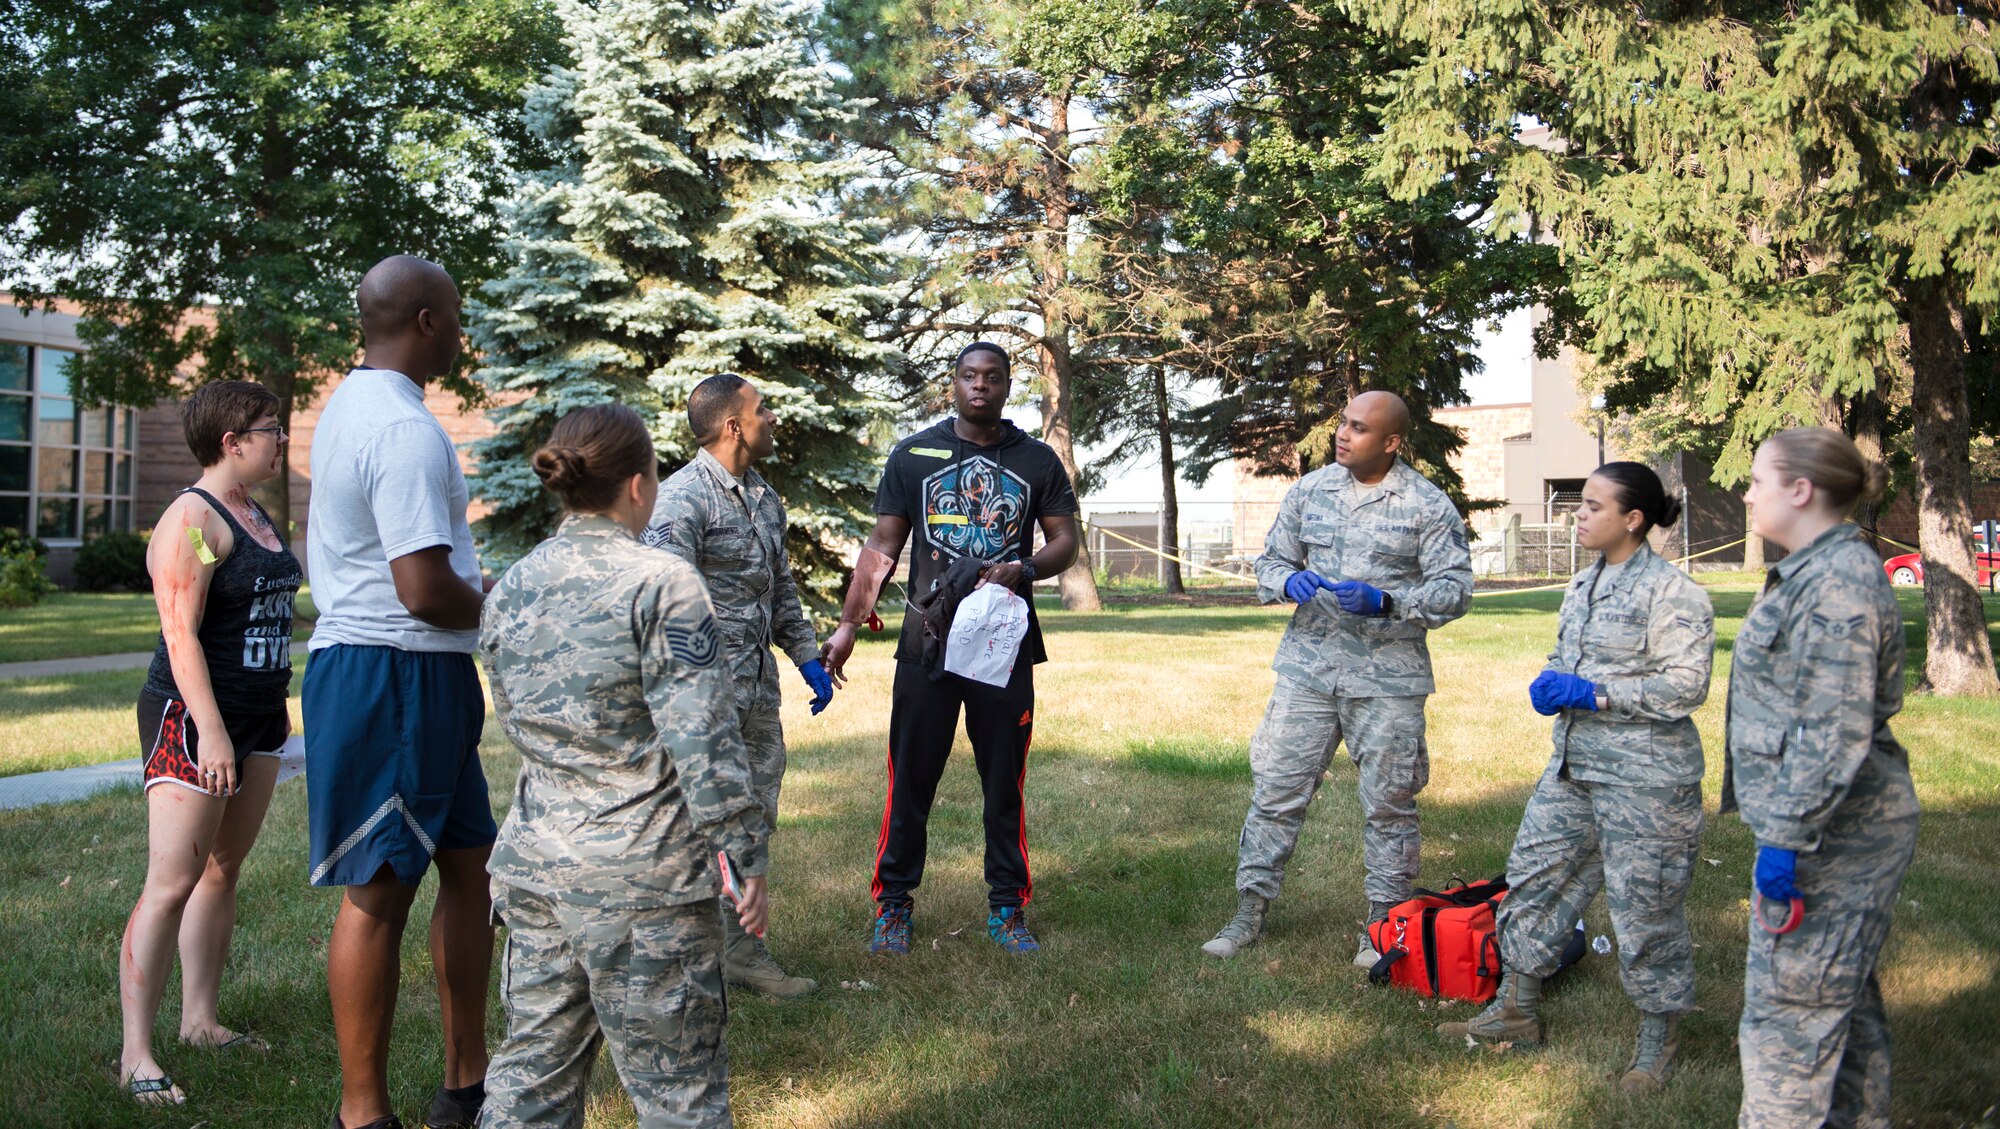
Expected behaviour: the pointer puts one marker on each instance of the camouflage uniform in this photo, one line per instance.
(1817, 673)
(606, 671)
(733, 531)
(1361, 678)
(1620, 804)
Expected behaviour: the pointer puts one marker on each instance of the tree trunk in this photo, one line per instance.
(275, 493)
(1959, 656)
(1867, 421)
(1753, 546)
(1078, 582)
(1170, 505)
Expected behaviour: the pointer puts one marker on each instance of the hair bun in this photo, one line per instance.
(559, 468)
(1670, 512)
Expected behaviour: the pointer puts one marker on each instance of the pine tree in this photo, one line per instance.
(1292, 275)
(1786, 213)
(692, 225)
(989, 118)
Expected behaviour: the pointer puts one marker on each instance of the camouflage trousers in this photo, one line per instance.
(1636, 844)
(764, 740)
(648, 982)
(1814, 1038)
(1290, 752)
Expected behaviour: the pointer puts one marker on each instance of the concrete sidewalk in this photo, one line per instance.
(94, 664)
(51, 668)
(65, 785)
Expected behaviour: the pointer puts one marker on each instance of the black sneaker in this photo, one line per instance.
(389, 1122)
(453, 1111)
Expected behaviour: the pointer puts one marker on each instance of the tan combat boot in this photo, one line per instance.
(746, 963)
(1242, 930)
(1366, 956)
(1510, 1018)
(1653, 1061)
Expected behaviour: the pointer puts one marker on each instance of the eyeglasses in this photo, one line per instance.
(282, 436)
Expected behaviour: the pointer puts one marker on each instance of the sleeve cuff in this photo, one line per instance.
(1786, 835)
(1623, 694)
(805, 652)
(748, 853)
(416, 544)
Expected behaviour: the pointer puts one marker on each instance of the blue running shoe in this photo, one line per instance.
(892, 930)
(1010, 931)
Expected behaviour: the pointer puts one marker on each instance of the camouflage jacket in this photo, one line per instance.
(1407, 540)
(607, 674)
(1815, 676)
(1645, 634)
(733, 532)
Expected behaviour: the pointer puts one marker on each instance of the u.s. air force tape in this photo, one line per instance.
(699, 645)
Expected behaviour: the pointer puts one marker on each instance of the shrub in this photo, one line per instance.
(13, 541)
(22, 577)
(113, 562)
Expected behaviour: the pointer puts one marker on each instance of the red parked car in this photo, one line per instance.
(1909, 568)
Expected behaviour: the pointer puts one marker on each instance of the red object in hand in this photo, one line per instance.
(1795, 915)
(874, 623)
(730, 885)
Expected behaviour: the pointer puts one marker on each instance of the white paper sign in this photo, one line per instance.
(986, 634)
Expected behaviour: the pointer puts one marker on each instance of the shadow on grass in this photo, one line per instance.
(1121, 1021)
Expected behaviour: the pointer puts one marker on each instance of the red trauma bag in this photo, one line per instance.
(1442, 943)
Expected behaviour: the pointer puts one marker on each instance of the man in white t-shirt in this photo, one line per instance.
(393, 707)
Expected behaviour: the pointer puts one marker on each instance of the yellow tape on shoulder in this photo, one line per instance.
(933, 452)
(202, 552)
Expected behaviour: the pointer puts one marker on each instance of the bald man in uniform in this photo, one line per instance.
(1374, 555)
(392, 703)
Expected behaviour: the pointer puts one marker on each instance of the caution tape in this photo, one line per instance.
(1711, 552)
(1866, 532)
(1182, 561)
(1185, 563)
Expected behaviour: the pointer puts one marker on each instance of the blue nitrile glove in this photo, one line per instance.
(821, 683)
(1357, 598)
(1300, 586)
(1777, 873)
(1541, 694)
(1570, 692)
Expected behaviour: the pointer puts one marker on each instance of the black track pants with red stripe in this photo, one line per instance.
(923, 720)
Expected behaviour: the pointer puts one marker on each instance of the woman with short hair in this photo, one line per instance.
(607, 672)
(1619, 807)
(1815, 676)
(212, 721)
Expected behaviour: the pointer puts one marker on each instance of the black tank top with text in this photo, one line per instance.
(246, 626)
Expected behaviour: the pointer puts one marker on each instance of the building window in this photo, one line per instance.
(65, 470)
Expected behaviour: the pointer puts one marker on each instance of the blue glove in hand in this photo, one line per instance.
(1541, 693)
(1553, 690)
(821, 683)
(1777, 873)
(1300, 586)
(1357, 598)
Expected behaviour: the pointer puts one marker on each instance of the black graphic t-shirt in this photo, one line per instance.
(246, 625)
(961, 498)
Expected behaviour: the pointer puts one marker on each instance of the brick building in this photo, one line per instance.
(68, 473)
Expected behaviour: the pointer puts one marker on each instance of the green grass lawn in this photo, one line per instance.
(70, 625)
(1136, 792)
(76, 624)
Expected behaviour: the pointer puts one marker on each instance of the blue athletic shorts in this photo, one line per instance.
(392, 761)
